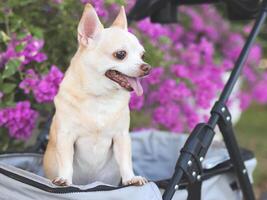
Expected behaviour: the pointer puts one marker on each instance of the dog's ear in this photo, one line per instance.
(121, 19)
(89, 25)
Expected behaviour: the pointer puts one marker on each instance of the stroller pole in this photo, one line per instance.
(192, 154)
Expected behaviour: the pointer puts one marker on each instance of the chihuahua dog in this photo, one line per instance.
(89, 136)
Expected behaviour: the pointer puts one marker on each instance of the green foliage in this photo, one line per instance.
(120, 2)
(10, 68)
(251, 133)
(56, 24)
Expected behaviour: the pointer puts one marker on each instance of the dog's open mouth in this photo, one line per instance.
(127, 82)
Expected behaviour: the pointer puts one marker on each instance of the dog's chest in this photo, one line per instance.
(101, 115)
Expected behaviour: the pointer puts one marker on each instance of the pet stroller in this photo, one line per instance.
(203, 169)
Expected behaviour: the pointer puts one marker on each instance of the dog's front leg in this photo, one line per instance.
(64, 156)
(58, 158)
(123, 156)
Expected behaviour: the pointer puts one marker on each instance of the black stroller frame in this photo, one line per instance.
(189, 166)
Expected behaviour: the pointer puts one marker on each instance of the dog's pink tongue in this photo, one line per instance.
(136, 85)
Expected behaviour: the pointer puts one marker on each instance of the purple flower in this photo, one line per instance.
(206, 47)
(19, 120)
(250, 75)
(247, 28)
(197, 22)
(176, 33)
(99, 6)
(191, 55)
(205, 90)
(255, 55)
(48, 86)
(192, 118)
(182, 91)
(167, 116)
(3, 60)
(245, 100)
(181, 71)
(212, 33)
(155, 75)
(30, 82)
(167, 91)
(136, 102)
(260, 92)
(44, 88)
(233, 45)
(154, 30)
(29, 50)
(227, 64)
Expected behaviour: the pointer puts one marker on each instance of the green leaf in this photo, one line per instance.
(37, 32)
(165, 40)
(120, 2)
(4, 37)
(16, 3)
(177, 80)
(25, 2)
(11, 68)
(20, 47)
(22, 35)
(8, 87)
(8, 100)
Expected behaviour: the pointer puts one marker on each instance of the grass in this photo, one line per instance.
(251, 133)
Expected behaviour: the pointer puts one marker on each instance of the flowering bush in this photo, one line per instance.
(20, 120)
(189, 59)
(196, 57)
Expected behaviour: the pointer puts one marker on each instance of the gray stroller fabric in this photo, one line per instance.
(155, 153)
(154, 156)
(11, 189)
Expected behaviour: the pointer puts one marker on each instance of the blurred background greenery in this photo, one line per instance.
(251, 132)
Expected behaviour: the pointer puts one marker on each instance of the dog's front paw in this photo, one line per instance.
(61, 182)
(136, 180)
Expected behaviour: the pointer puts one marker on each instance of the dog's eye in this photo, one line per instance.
(120, 55)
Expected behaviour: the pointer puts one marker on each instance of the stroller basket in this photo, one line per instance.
(154, 156)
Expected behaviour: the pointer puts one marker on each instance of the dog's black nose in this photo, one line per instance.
(145, 68)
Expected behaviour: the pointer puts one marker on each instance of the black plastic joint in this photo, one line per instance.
(191, 167)
(223, 111)
(194, 151)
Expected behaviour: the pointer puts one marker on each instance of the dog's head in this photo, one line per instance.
(112, 54)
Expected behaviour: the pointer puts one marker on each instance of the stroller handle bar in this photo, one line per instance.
(241, 61)
(201, 137)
